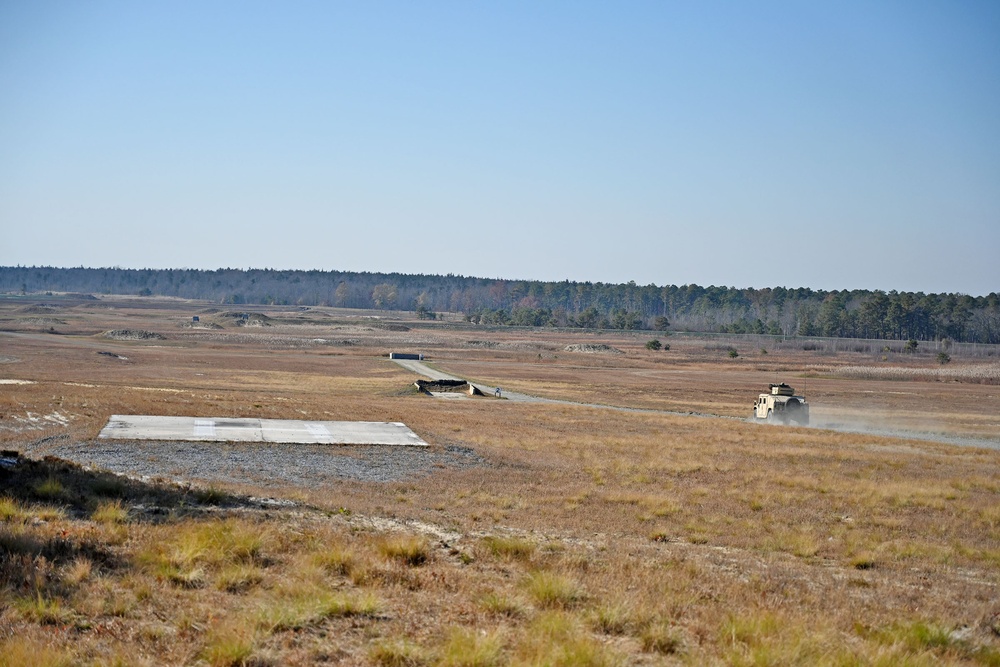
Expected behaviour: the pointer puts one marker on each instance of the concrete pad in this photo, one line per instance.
(343, 433)
(227, 429)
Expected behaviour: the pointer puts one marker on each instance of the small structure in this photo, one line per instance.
(196, 319)
(406, 355)
(433, 387)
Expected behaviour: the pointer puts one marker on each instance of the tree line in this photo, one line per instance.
(494, 301)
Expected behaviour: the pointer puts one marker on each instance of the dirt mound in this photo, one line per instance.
(388, 326)
(593, 348)
(486, 344)
(516, 345)
(41, 321)
(39, 309)
(526, 346)
(201, 325)
(132, 334)
(246, 319)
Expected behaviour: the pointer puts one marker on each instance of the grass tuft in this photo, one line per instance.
(863, 561)
(210, 496)
(108, 487)
(48, 513)
(19, 651)
(295, 610)
(613, 619)
(556, 639)
(553, 591)
(229, 646)
(498, 604)
(511, 548)
(407, 549)
(11, 510)
(78, 571)
(239, 577)
(338, 605)
(750, 629)
(661, 637)
(398, 653)
(197, 549)
(42, 610)
(110, 513)
(50, 489)
(469, 648)
(193, 577)
(336, 560)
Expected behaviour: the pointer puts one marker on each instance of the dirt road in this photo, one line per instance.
(422, 368)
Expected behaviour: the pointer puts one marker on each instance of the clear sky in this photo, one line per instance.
(833, 145)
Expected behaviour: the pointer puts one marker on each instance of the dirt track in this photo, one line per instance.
(420, 368)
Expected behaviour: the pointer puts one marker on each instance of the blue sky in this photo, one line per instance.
(833, 145)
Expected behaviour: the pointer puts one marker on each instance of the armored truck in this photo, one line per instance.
(781, 406)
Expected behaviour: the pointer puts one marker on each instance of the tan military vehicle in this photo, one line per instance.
(781, 406)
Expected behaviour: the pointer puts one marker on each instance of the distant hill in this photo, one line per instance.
(773, 310)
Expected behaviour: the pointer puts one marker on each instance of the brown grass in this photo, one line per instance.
(587, 536)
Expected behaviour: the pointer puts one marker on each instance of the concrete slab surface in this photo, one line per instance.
(228, 429)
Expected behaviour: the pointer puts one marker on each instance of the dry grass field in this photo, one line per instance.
(582, 535)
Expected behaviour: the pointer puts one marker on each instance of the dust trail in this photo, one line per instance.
(890, 431)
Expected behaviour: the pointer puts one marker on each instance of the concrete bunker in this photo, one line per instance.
(447, 387)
